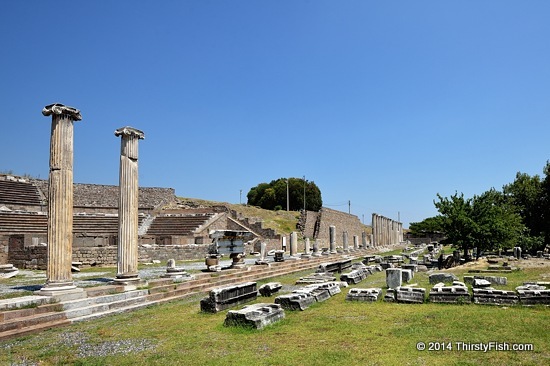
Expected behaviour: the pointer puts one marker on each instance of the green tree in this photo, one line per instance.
(498, 225)
(426, 226)
(457, 220)
(487, 222)
(526, 194)
(274, 194)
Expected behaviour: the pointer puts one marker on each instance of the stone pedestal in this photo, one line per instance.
(293, 243)
(307, 252)
(262, 260)
(127, 261)
(393, 277)
(60, 202)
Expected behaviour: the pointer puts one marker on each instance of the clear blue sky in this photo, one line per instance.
(382, 103)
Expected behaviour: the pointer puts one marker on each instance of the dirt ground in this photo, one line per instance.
(483, 263)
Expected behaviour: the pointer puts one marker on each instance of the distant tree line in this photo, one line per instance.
(273, 195)
(519, 215)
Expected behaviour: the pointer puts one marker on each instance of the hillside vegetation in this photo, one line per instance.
(283, 222)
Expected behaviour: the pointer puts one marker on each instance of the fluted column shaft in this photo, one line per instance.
(332, 239)
(127, 259)
(60, 199)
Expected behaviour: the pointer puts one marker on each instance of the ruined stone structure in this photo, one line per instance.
(386, 231)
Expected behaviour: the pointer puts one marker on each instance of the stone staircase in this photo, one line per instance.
(41, 313)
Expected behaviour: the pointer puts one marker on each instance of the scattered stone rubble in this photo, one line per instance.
(304, 297)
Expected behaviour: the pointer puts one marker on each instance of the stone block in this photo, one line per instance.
(364, 294)
(481, 283)
(295, 301)
(406, 275)
(534, 297)
(316, 278)
(494, 297)
(355, 276)
(270, 288)
(256, 316)
(413, 295)
(449, 294)
(318, 293)
(225, 297)
(390, 295)
(393, 277)
(442, 277)
(502, 281)
(412, 267)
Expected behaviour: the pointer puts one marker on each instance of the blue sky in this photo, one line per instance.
(384, 104)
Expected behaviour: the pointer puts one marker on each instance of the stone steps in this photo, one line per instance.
(106, 300)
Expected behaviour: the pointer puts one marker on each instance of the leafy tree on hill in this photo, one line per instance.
(427, 226)
(273, 195)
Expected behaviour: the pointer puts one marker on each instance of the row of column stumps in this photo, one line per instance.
(332, 243)
(60, 203)
(386, 231)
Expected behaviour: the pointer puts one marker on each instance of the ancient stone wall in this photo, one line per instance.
(308, 223)
(3, 249)
(177, 252)
(106, 196)
(327, 217)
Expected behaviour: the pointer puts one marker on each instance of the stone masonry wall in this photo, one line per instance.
(3, 249)
(34, 257)
(106, 196)
(341, 220)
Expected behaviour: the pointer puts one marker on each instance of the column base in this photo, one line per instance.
(128, 279)
(61, 291)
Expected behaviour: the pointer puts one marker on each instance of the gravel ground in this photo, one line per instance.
(80, 345)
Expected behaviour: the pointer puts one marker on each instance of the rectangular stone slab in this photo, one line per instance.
(256, 316)
(295, 301)
(364, 294)
(225, 297)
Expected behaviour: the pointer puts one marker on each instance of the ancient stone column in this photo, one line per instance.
(316, 252)
(307, 249)
(60, 201)
(293, 243)
(355, 242)
(332, 238)
(374, 229)
(364, 239)
(127, 258)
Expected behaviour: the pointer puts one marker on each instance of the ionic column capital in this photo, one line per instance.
(58, 108)
(130, 131)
